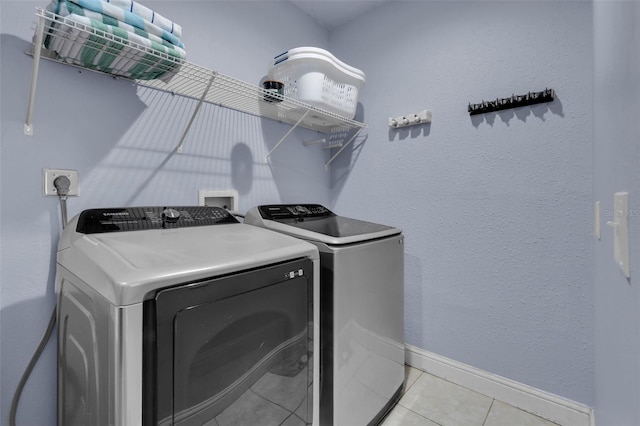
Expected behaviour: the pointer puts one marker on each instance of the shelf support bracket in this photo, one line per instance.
(195, 112)
(37, 47)
(326, 166)
(287, 134)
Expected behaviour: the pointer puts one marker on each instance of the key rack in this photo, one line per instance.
(514, 101)
(178, 77)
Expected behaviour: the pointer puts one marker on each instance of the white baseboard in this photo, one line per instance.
(524, 397)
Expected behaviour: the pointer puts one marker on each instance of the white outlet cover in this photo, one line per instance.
(50, 175)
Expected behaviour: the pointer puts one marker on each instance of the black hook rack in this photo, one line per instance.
(515, 101)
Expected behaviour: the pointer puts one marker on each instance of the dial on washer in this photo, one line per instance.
(170, 215)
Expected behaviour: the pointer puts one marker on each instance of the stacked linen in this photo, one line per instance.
(149, 15)
(118, 37)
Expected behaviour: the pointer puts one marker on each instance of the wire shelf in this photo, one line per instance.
(151, 65)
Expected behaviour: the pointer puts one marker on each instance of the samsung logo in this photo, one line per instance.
(115, 213)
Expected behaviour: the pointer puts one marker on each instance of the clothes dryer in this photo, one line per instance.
(183, 316)
(361, 309)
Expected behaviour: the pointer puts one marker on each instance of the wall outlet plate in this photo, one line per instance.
(50, 175)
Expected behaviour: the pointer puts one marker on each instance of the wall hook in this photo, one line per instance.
(422, 117)
(515, 101)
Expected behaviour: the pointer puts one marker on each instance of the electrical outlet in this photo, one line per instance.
(50, 175)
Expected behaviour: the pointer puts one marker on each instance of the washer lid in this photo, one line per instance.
(317, 223)
(125, 265)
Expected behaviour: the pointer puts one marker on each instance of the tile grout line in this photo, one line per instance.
(406, 391)
(488, 411)
(420, 415)
(409, 389)
(276, 404)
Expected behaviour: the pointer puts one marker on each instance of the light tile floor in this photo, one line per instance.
(431, 401)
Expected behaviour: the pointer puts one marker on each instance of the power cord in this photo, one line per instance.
(29, 369)
(62, 184)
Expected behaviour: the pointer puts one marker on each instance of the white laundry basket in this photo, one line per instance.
(316, 77)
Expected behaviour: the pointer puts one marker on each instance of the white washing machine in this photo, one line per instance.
(362, 347)
(183, 316)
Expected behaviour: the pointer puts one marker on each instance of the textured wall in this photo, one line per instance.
(122, 140)
(617, 168)
(496, 208)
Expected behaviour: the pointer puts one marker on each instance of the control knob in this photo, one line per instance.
(170, 215)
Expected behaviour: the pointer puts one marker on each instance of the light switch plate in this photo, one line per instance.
(620, 225)
(596, 219)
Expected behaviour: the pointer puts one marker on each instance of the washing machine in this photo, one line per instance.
(362, 347)
(184, 316)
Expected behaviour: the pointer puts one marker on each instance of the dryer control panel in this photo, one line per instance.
(125, 219)
(293, 211)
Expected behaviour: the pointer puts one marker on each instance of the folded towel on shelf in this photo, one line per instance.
(148, 14)
(92, 44)
(67, 7)
(100, 41)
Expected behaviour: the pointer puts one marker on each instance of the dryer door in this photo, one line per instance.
(231, 350)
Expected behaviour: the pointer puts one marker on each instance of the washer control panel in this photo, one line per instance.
(294, 211)
(124, 219)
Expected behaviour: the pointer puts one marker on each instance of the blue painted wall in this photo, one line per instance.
(496, 208)
(122, 139)
(616, 141)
